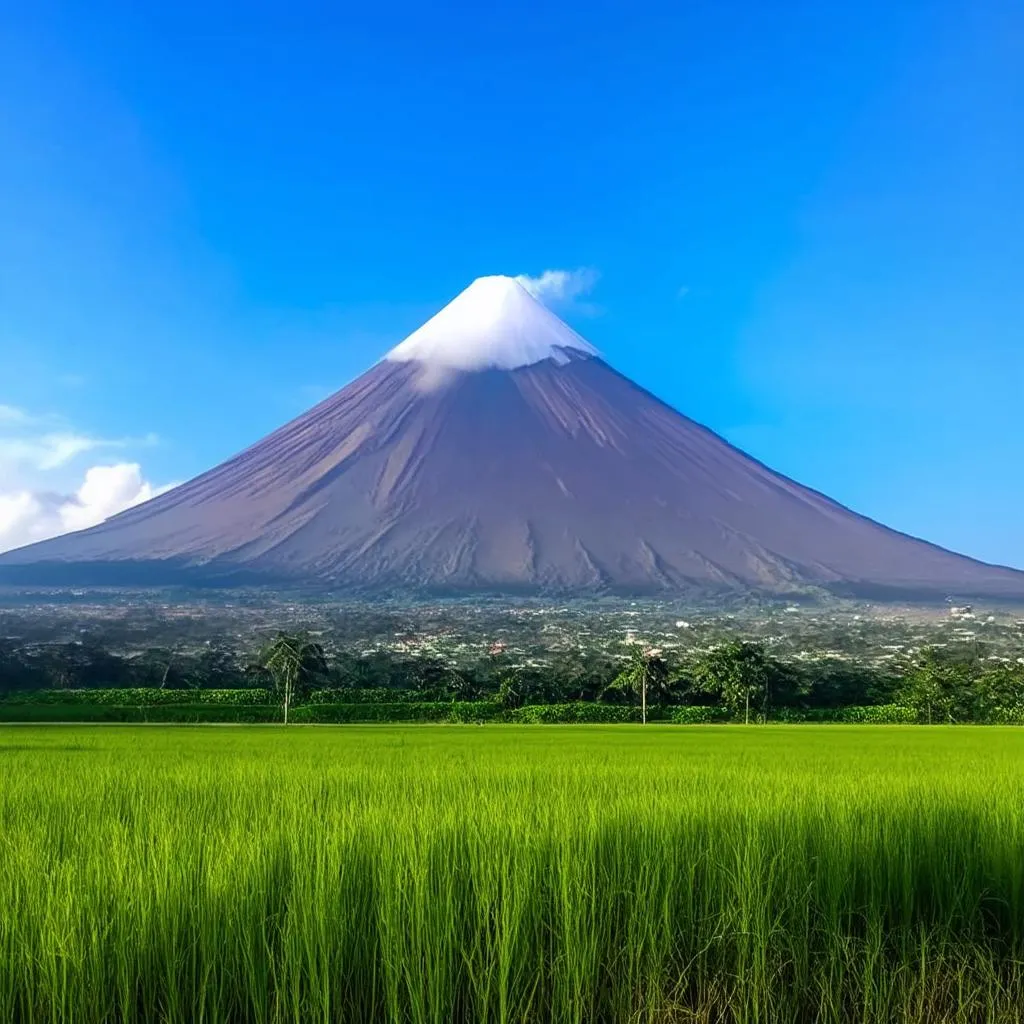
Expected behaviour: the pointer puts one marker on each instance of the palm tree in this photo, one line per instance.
(645, 671)
(292, 661)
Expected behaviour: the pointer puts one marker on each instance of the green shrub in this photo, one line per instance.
(369, 705)
(877, 714)
(183, 713)
(1006, 716)
(577, 711)
(696, 715)
(54, 712)
(880, 714)
(359, 695)
(407, 711)
(140, 697)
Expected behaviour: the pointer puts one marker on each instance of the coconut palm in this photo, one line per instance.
(292, 661)
(645, 673)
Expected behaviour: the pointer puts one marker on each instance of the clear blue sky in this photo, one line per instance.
(808, 221)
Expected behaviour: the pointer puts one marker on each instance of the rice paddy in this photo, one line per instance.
(569, 874)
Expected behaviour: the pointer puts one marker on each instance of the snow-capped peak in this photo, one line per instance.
(495, 322)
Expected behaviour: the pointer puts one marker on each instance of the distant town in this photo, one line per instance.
(953, 662)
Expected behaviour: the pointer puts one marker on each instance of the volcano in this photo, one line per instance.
(494, 450)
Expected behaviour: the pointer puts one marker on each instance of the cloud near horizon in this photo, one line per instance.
(43, 494)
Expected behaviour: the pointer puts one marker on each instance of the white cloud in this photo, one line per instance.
(53, 449)
(106, 491)
(48, 451)
(560, 285)
(11, 414)
(27, 516)
(45, 492)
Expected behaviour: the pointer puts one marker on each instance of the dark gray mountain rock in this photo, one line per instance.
(561, 474)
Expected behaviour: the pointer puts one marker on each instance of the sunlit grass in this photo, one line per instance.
(585, 874)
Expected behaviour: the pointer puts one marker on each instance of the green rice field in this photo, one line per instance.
(430, 874)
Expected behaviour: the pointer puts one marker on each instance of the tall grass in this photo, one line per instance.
(574, 874)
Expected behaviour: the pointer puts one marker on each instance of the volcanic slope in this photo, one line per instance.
(495, 450)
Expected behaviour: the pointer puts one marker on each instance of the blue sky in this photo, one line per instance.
(805, 221)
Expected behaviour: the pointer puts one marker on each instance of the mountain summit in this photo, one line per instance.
(494, 449)
(495, 323)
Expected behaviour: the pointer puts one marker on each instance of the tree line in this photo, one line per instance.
(743, 677)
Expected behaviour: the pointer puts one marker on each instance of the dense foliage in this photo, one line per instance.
(736, 679)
